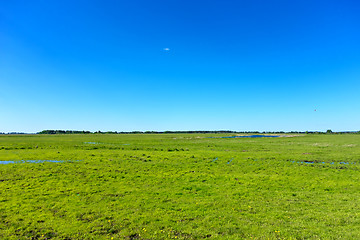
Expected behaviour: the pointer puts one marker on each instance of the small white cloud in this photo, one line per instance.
(166, 49)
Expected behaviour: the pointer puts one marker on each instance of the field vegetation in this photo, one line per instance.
(180, 186)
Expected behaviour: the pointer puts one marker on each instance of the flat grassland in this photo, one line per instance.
(180, 186)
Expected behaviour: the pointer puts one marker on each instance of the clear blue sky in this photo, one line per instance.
(232, 65)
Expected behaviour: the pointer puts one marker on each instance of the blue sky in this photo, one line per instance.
(231, 65)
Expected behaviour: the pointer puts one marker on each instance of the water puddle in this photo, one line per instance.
(229, 161)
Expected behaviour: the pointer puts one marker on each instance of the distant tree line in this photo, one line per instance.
(14, 133)
(172, 132)
(132, 132)
(331, 132)
(63, 132)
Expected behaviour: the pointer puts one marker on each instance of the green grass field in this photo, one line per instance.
(180, 186)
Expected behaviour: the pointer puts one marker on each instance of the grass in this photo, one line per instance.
(180, 186)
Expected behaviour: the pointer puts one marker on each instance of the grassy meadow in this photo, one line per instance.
(180, 186)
